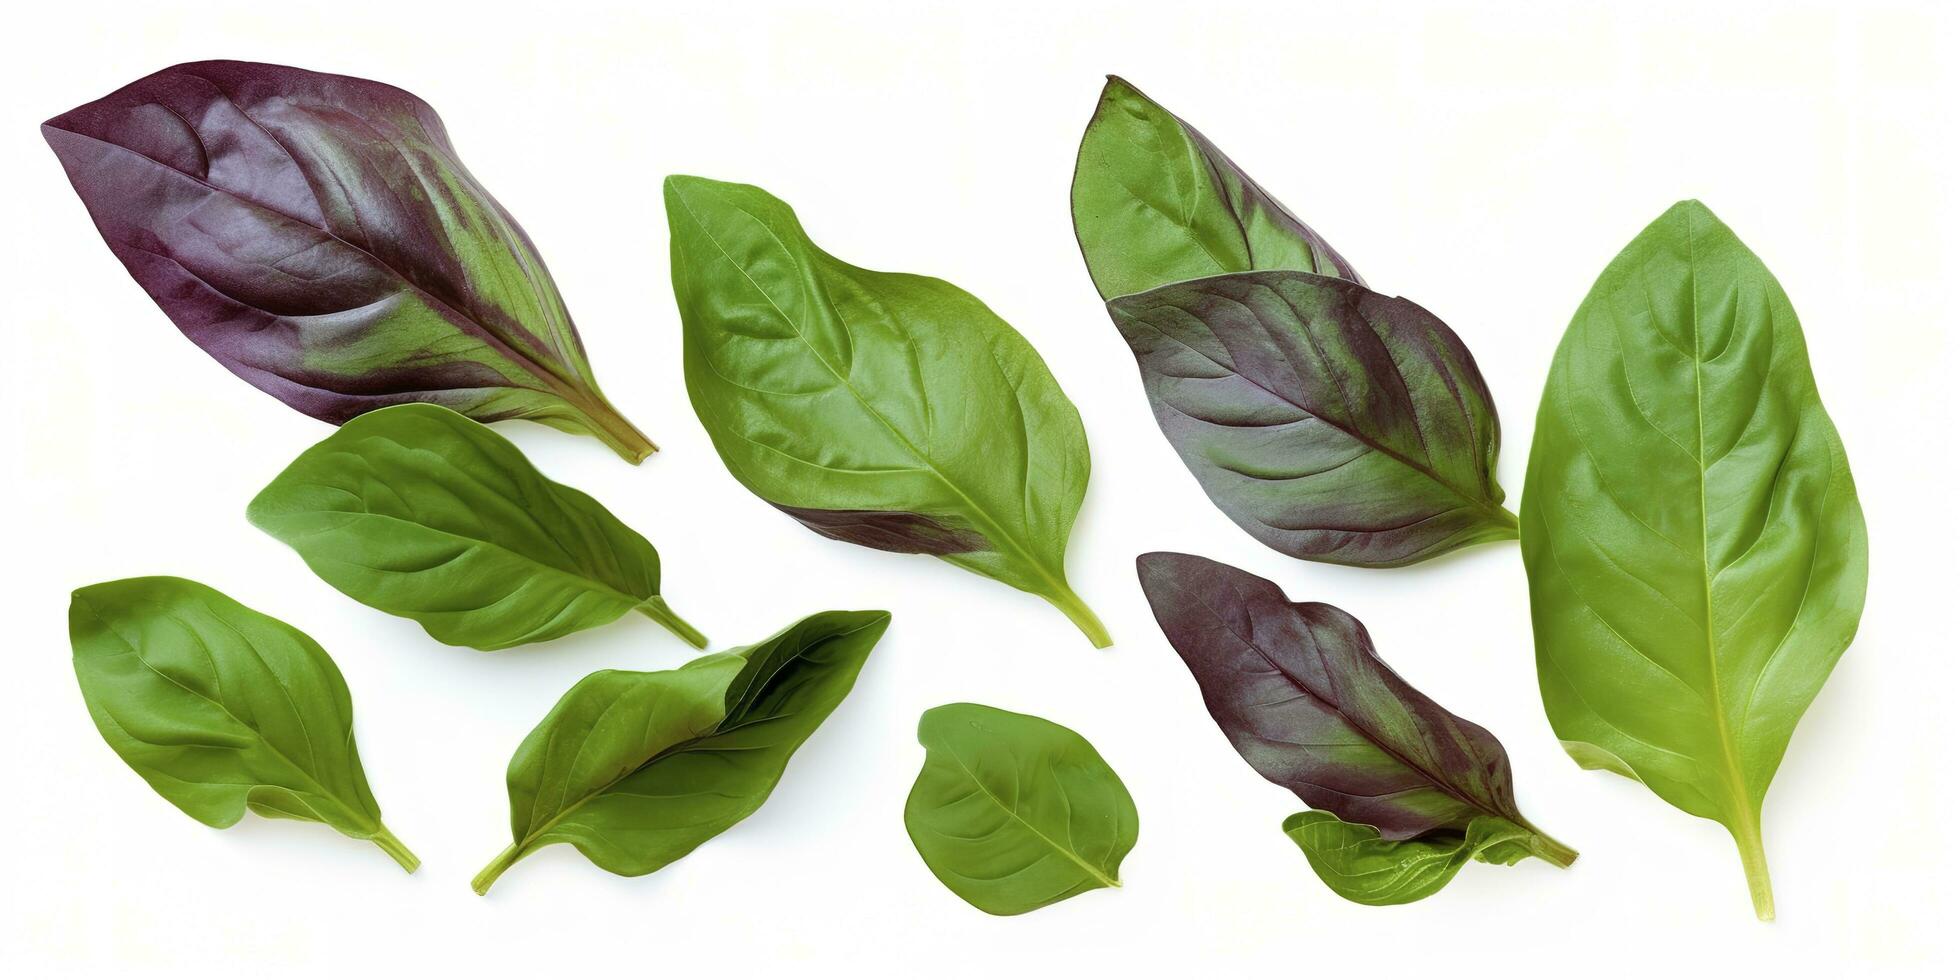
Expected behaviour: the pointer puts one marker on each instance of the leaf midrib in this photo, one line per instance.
(1107, 881)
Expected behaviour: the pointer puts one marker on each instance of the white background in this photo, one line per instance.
(1485, 160)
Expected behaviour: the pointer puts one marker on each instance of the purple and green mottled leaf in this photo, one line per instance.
(1301, 694)
(319, 237)
(1329, 421)
(892, 411)
(1155, 202)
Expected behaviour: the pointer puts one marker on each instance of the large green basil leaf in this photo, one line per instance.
(1693, 540)
(221, 708)
(1155, 203)
(638, 769)
(318, 235)
(1354, 860)
(1329, 421)
(888, 410)
(420, 512)
(1013, 812)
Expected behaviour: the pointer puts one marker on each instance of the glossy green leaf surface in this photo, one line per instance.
(637, 769)
(1155, 202)
(221, 708)
(1013, 812)
(888, 410)
(420, 512)
(1692, 536)
(1354, 860)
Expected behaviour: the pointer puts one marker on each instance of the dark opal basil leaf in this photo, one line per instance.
(888, 410)
(1155, 203)
(1354, 860)
(319, 237)
(420, 512)
(1329, 421)
(1692, 536)
(636, 770)
(221, 708)
(1012, 812)
(1300, 692)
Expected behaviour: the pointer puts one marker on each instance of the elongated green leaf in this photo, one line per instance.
(221, 708)
(1360, 866)
(636, 769)
(420, 512)
(1156, 203)
(1693, 540)
(1014, 812)
(887, 410)
(320, 238)
(1329, 421)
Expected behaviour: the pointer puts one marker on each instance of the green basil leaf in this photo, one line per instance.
(1330, 422)
(1014, 812)
(1360, 866)
(420, 512)
(1692, 536)
(1155, 203)
(891, 411)
(319, 237)
(221, 708)
(638, 769)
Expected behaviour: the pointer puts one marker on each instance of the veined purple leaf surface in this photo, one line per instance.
(318, 235)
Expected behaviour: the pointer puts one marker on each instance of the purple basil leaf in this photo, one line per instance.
(1298, 689)
(1329, 421)
(319, 237)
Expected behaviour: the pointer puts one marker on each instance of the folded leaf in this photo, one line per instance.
(1692, 536)
(1360, 866)
(1329, 421)
(636, 770)
(1014, 812)
(221, 708)
(1300, 692)
(1155, 203)
(891, 411)
(420, 512)
(319, 237)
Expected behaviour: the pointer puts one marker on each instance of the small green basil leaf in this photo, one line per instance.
(1360, 866)
(1329, 421)
(1692, 536)
(891, 411)
(1014, 812)
(221, 708)
(420, 512)
(638, 769)
(1155, 203)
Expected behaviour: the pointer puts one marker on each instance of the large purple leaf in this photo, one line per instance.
(1329, 421)
(319, 237)
(1298, 689)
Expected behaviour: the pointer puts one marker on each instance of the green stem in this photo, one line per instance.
(1749, 840)
(396, 849)
(1547, 848)
(1079, 613)
(495, 869)
(629, 442)
(657, 610)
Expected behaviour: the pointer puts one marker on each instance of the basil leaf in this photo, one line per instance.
(319, 237)
(1692, 536)
(638, 769)
(417, 511)
(1301, 693)
(1155, 203)
(1013, 812)
(1330, 422)
(891, 411)
(221, 708)
(1354, 860)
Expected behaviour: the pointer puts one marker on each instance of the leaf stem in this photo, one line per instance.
(1079, 613)
(657, 610)
(1545, 847)
(495, 869)
(616, 432)
(1749, 840)
(394, 848)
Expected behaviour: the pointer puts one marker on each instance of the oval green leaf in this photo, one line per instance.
(1013, 812)
(1692, 536)
(1354, 860)
(420, 512)
(221, 708)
